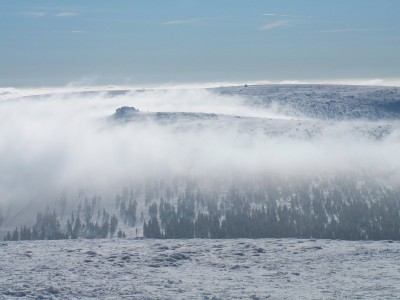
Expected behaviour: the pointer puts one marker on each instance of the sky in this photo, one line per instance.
(144, 42)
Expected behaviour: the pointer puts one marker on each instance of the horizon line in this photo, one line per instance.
(76, 87)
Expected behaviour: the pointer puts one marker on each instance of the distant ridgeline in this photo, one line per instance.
(125, 112)
(131, 114)
(335, 102)
(335, 208)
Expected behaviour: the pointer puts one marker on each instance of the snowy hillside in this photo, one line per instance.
(325, 101)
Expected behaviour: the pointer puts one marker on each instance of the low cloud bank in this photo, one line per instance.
(67, 141)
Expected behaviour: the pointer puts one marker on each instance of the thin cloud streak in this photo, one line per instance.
(350, 30)
(32, 14)
(275, 24)
(39, 14)
(275, 15)
(66, 14)
(175, 22)
(284, 16)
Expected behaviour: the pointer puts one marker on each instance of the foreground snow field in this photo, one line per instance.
(200, 269)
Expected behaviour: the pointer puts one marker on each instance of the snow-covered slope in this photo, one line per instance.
(199, 269)
(324, 101)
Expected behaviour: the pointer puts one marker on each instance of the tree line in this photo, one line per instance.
(330, 208)
(48, 225)
(339, 211)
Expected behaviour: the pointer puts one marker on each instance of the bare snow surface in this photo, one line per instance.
(200, 269)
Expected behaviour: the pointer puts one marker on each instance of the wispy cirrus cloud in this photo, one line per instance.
(31, 14)
(69, 31)
(284, 16)
(177, 22)
(38, 14)
(275, 15)
(276, 24)
(66, 14)
(350, 30)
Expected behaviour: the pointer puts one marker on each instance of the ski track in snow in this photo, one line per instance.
(200, 269)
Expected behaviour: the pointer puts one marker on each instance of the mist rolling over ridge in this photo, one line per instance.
(71, 141)
(58, 145)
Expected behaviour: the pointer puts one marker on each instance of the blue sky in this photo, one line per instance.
(46, 43)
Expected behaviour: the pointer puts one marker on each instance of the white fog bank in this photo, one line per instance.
(63, 141)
